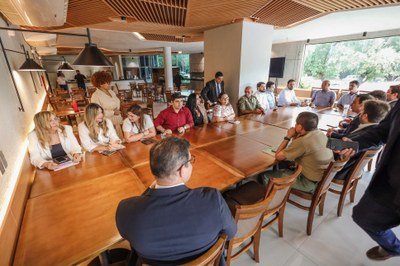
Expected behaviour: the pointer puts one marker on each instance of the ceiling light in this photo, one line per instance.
(31, 65)
(65, 66)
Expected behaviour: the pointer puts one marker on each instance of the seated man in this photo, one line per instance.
(348, 125)
(373, 112)
(175, 117)
(378, 95)
(325, 97)
(287, 97)
(308, 149)
(262, 95)
(348, 98)
(270, 94)
(392, 95)
(171, 223)
(248, 103)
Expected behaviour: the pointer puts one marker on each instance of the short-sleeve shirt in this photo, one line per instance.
(347, 99)
(130, 127)
(324, 98)
(169, 119)
(249, 104)
(223, 111)
(311, 153)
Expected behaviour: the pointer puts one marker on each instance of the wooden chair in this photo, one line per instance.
(249, 220)
(318, 197)
(149, 107)
(253, 192)
(90, 91)
(212, 256)
(158, 93)
(168, 97)
(350, 183)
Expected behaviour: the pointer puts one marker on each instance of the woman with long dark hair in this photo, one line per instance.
(137, 125)
(197, 109)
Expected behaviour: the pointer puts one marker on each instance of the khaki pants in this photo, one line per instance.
(302, 183)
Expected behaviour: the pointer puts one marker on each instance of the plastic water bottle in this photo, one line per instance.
(345, 110)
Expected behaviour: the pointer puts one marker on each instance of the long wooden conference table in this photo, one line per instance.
(70, 215)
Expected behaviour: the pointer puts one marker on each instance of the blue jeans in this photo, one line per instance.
(377, 220)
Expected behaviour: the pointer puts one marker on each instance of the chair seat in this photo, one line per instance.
(249, 193)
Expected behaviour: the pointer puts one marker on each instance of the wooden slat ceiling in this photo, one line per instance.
(186, 20)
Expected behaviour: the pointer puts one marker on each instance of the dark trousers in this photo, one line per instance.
(377, 220)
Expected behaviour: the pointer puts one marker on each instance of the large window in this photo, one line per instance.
(375, 63)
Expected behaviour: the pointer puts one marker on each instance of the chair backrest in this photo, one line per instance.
(362, 161)
(168, 96)
(281, 186)
(212, 256)
(329, 174)
(249, 218)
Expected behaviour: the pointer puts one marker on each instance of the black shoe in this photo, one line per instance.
(379, 253)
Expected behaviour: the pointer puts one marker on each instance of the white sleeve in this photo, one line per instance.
(282, 98)
(127, 125)
(148, 122)
(34, 151)
(74, 146)
(112, 134)
(87, 143)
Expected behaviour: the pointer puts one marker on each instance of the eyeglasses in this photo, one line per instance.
(191, 160)
(55, 119)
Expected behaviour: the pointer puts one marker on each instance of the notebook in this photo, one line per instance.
(65, 165)
(270, 150)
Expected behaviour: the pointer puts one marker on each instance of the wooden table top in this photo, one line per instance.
(242, 154)
(246, 125)
(269, 135)
(93, 165)
(281, 114)
(137, 153)
(204, 135)
(207, 172)
(72, 224)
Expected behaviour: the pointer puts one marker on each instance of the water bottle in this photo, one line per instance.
(345, 110)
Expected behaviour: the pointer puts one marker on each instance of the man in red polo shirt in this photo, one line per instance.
(175, 117)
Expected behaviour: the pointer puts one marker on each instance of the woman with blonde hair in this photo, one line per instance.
(96, 132)
(137, 125)
(107, 99)
(50, 140)
(223, 111)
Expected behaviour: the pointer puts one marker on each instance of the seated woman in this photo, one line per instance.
(137, 125)
(197, 109)
(223, 111)
(50, 140)
(96, 132)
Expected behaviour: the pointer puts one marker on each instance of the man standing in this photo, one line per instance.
(378, 210)
(175, 117)
(80, 79)
(308, 149)
(248, 103)
(392, 95)
(348, 98)
(287, 97)
(212, 90)
(262, 96)
(325, 97)
(178, 80)
(171, 223)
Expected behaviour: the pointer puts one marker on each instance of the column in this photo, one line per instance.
(169, 84)
(242, 52)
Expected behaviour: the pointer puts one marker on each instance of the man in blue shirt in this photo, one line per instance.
(348, 98)
(324, 97)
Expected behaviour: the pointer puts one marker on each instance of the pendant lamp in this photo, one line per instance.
(65, 66)
(30, 65)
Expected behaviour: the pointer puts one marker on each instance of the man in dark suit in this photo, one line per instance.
(170, 223)
(212, 90)
(379, 209)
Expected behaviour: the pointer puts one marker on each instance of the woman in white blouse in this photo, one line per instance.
(137, 125)
(223, 111)
(50, 140)
(107, 99)
(96, 132)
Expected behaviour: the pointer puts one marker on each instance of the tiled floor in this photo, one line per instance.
(334, 241)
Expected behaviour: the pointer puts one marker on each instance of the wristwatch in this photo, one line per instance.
(286, 138)
(184, 127)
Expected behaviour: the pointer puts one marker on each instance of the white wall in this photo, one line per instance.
(15, 124)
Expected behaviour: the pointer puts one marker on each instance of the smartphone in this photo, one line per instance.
(107, 153)
(338, 145)
(61, 159)
(148, 141)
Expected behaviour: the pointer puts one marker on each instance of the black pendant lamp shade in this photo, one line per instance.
(65, 66)
(31, 65)
(92, 56)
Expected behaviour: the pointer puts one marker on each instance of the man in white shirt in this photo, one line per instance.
(261, 95)
(287, 97)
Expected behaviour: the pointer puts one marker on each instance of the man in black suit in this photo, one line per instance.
(170, 223)
(379, 209)
(212, 90)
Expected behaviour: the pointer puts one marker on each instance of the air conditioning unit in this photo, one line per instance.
(37, 13)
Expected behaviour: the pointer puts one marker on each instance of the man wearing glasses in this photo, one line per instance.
(171, 223)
